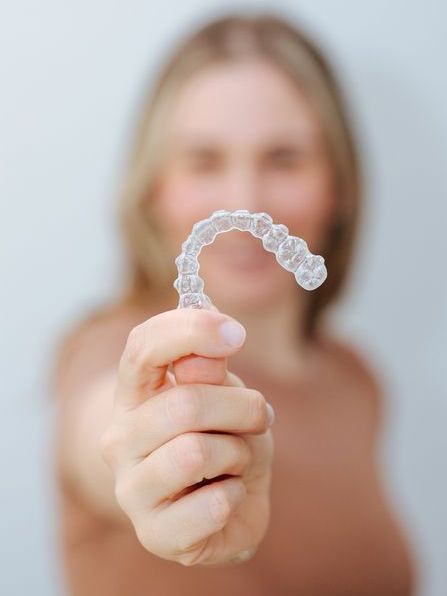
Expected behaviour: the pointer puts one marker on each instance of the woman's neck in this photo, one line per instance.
(274, 342)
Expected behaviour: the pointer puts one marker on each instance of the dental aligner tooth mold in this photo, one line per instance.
(291, 252)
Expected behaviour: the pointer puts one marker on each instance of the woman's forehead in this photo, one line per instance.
(250, 100)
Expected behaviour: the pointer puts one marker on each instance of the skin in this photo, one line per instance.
(242, 152)
(214, 523)
(241, 136)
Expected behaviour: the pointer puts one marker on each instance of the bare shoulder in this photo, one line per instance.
(91, 347)
(358, 371)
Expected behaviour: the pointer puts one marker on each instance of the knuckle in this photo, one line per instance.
(145, 532)
(135, 344)
(190, 322)
(243, 452)
(111, 442)
(124, 491)
(182, 546)
(257, 408)
(143, 536)
(183, 406)
(219, 505)
(138, 352)
(188, 560)
(190, 452)
(151, 534)
(197, 319)
(192, 554)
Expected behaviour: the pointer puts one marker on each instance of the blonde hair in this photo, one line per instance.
(149, 264)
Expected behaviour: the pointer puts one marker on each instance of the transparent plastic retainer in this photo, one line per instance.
(291, 253)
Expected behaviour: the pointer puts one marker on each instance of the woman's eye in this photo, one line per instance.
(203, 163)
(284, 159)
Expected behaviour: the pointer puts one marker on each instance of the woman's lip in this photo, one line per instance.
(245, 260)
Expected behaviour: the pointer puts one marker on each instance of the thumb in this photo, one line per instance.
(201, 369)
(231, 379)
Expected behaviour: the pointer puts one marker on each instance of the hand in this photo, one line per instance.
(190, 450)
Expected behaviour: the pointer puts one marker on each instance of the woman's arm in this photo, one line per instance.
(150, 431)
(80, 421)
(83, 387)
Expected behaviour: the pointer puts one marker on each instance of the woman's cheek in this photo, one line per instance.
(184, 201)
(305, 206)
(303, 203)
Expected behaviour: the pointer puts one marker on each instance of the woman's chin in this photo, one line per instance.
(240, 291)
(240, 303)
(243, 280)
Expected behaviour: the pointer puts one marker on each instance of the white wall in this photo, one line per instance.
(71, 77)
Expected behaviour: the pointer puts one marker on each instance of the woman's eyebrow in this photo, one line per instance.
(194, 146)
(289, 146)
(292, 142)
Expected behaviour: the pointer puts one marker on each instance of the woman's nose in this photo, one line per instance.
(243, 190)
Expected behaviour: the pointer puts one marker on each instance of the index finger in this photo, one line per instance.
(164, 338)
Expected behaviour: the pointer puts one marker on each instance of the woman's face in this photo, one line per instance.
(241, 136)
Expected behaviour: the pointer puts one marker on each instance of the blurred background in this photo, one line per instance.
(72, 76)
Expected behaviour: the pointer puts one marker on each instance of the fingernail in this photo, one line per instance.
(233, 333)
(270, 414)
(244, 555)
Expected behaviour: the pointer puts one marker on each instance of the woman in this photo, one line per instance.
(169, 472)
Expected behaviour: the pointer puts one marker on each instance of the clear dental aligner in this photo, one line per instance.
(291, 253)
